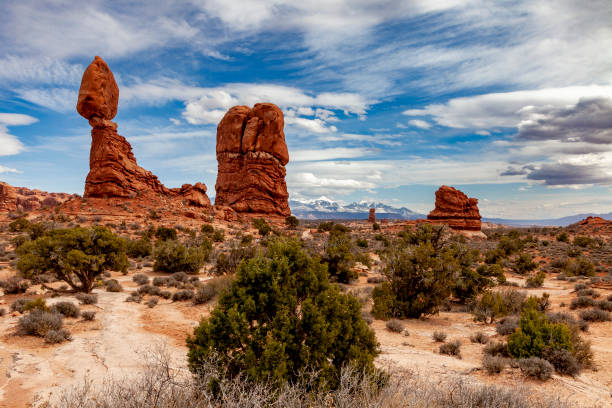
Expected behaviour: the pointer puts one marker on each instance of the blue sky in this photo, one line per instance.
(383, 100)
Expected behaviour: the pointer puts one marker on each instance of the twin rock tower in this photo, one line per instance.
(251, 154)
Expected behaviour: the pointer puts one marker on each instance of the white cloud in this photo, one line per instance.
(4, 169)
(10, 144)
(58, 99)
(506, 109)
(421, 124)
(328, 154)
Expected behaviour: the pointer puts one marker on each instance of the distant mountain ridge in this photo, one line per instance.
(324, 208)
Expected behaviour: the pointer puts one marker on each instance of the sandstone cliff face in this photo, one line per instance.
(252, 154)
(456, 210)
(24, 199)
(114, 171)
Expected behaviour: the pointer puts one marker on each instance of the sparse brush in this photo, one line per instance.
(38, 323)
(160, 281)
(582, 302)
(595, 315)
(151, 303)
(2, 311)
(494, 348)
(439, 336)
(66, 309)
(88, 315)
(203, 294)
(536, 367)
(494, 364)
(479, 337)
(588, 292)
(140, 278)
(376, 279)
(395, 325)
(452, 348)
(605, 305)
(17, 305)
(57, 336)
(87, 298)
(113, 285)
(134, 297)
(182, 295)
(507, 325)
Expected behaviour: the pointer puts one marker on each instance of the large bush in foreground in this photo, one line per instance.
(76, 256)
(172, 256)
(280, 317)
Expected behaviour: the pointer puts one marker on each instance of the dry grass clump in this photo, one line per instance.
(479, 337)
(595, 315)
(395, 325)
(439, 336)
(536, 367)
(88, 315)
(494, 364)
(39, 322)
(87, 298)
(160, 385)
(66, 309)
(140, 278)
(452, 348)
(113, 285)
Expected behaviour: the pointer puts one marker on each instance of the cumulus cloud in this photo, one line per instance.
(4, 169)
(590, 120)
(10, 144)
(421, 124)
(505, 109)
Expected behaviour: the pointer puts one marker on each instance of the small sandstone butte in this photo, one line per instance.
(113, 171)
(372, 215)
(456, 210)
(252, 155)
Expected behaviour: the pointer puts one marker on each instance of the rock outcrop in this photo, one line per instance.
(24, 199)
(456, 210)
(113, 170)
(372, 215)
(252, 155)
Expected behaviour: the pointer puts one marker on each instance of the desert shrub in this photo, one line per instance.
(588, 292)
(19, 225)
(218, 236)
(470, 282)
(524, 264)
(419, 274)
(207, 229)
(580, 286)
(507, 325)
(325, 226)
(165, 233)
(246, 239)
(227, 263)
(595, 315)
(582, 302)
(172, 256)
(452, 348)
(510, 243)
(139, 248)
(88, 315)
(180, 277)
(2, 311)
(113, 285)
(262, 226)
(563, 361)
(563, 237)
(160, 281)
(583, 241)
(395, 325)
(376, 226)
(151, 303)
(292, 221)
(140, 278)
(182, 295)
(536, 367)
(536, 280)
(148, 290)
(580, 266)
(77, 256)
(38, 323)
(36, 304)
(18, 304)
(66, 309)
(281, 316)
(134, 297)
(494, 364)
(494, 348)
(57, 336)
(339, 256)
(204, 294)
(166, 294)
(362, 242)
(438, 336)
(489, 306)
(87, 298)
(605, 305)
(14, 285)
(479, 337)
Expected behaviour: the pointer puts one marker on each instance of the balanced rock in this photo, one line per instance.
(456, 210)
(252, 154)
(113, 170)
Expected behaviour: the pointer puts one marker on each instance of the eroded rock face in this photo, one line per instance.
(456, 210)
(24, 199)
(372, 215)
(252, 155)
(113, 170)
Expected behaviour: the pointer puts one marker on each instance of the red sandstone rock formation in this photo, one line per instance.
(113, 168)
(456, 210)
(24, 199)
(252, 155)
(372, 215)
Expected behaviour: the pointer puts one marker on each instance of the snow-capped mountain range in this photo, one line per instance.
(325, 208)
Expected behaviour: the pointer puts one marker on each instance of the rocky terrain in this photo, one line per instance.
(456, 210)
(25, 199)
